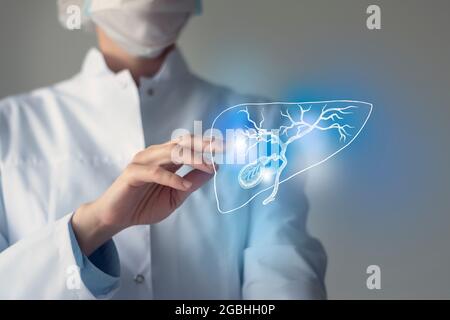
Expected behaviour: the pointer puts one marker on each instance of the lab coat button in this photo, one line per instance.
(139, 279)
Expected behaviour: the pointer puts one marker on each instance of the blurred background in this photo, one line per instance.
(386, 199)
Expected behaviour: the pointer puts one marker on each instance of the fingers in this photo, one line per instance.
(158, 163)
(200, 144)
(186, 150)
(172, 157)
(152, 155)
(137, 175)
(185, 156)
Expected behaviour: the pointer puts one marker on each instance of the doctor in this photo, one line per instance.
(91, 206)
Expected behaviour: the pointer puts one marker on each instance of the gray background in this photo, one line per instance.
(384, 201)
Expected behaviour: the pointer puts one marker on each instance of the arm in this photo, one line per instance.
(42, 265)
(282, 261)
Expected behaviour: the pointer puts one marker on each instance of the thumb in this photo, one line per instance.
(197, 178)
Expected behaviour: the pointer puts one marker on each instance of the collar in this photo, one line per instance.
(173, 68)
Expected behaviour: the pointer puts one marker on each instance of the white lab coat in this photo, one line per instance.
(63, 145)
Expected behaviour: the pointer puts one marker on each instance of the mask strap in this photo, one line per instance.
(86, 8)
(198, 7)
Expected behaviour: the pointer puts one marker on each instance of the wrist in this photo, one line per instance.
(90, 229)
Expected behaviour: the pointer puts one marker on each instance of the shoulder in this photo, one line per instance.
(35, 99)
(31, 110)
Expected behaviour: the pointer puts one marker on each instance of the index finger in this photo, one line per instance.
(201, 144)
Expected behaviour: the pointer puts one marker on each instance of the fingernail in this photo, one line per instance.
(187, 184)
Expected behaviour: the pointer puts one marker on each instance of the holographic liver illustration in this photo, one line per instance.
(270, 143)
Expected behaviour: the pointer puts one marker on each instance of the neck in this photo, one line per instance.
(118, 59)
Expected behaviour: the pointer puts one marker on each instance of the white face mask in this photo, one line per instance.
(143, 28)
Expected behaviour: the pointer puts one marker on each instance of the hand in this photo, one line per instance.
(147, 192)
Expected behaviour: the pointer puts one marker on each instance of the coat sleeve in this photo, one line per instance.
(282, 261)
(49, 264)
